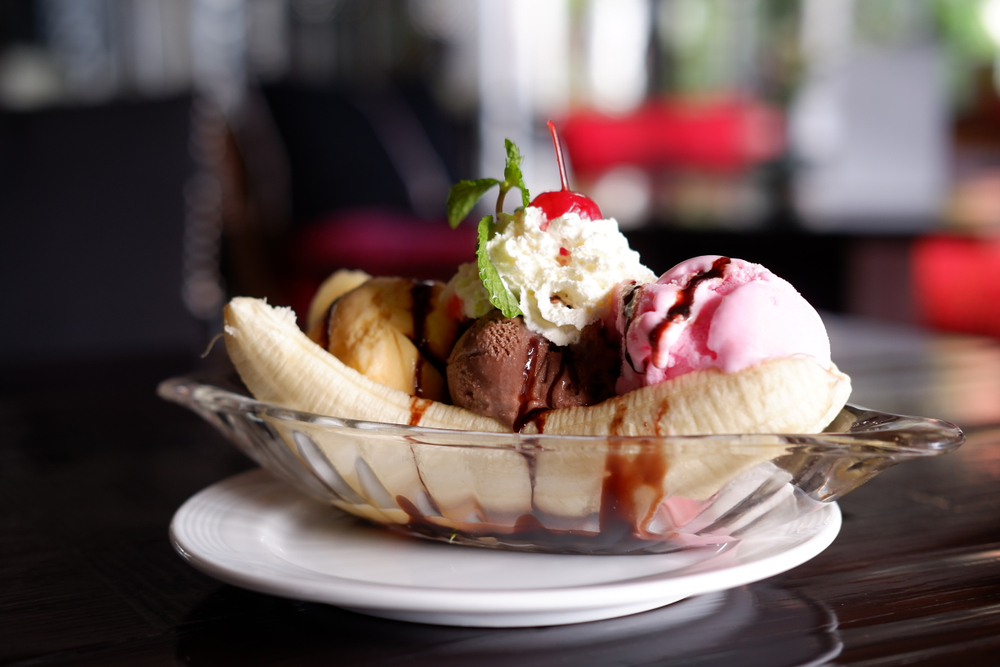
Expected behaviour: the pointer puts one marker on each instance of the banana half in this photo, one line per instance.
(280, 364)
(564, 483)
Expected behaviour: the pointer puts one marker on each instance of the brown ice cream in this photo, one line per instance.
(500, 369)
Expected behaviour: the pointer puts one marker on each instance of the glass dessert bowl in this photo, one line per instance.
(562, 494)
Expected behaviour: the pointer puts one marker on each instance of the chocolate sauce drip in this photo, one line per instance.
(421, 295)
(583, 373)
(625, 474)
(418, 406)
(660, 414)
(536, 416)
(538, 419)
(628, 301)
(529, 374)
(622, 517)
(628, 312)
(618, 420)
(685, 299)
(568, 376)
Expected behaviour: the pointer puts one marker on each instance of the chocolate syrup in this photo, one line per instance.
(621, 501)
(418, 406)
(660, 414)
(528, 378)
(422, 298)
(630, 496)
(420, 294)
(565, 375)
(632, 485)
(538, 419)
(628, 300)
(628, 312)
(615, 427)
(622, 514)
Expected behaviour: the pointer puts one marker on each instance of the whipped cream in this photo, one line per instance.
(473, 298)
(563, 274)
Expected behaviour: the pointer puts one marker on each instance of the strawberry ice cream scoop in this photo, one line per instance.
(713, 312)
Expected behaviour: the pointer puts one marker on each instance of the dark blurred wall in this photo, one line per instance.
(92, 220)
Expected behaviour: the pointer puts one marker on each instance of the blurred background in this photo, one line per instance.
(160, 156)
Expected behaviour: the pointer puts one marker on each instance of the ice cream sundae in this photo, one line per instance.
(556, 329)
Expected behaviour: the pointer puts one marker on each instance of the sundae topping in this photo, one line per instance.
(463, 197)
(714, 312)
(465, 294)
(557, 272)
(560, 202)
(563, 276)
(501, 369)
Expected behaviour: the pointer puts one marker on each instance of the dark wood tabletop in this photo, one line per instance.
(93, 465)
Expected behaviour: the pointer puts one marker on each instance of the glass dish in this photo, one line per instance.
(564, 494)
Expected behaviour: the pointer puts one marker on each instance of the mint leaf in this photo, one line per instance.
(500, 296)
(512, 172)
(462, 199)
(463, 196)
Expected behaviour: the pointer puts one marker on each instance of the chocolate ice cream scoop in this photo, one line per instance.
(501, 369)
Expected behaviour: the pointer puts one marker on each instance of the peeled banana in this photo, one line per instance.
(280, 364)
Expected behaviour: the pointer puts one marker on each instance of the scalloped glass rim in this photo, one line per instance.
(549, 493)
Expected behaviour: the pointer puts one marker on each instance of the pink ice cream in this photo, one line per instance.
(713, 312)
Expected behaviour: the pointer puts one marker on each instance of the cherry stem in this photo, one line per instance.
(559, 156)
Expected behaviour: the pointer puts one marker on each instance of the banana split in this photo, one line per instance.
(556, 328)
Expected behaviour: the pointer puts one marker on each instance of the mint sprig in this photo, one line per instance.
(512, 176)
(500, 296)
(464, 195)
(462, 198)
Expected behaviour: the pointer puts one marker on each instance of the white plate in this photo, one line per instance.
(256, 532)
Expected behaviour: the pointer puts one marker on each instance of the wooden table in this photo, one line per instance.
(93, 465)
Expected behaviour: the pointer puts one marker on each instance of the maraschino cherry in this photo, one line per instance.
(561, 202)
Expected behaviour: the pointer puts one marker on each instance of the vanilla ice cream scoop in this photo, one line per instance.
(713, 312)
(395, 331)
